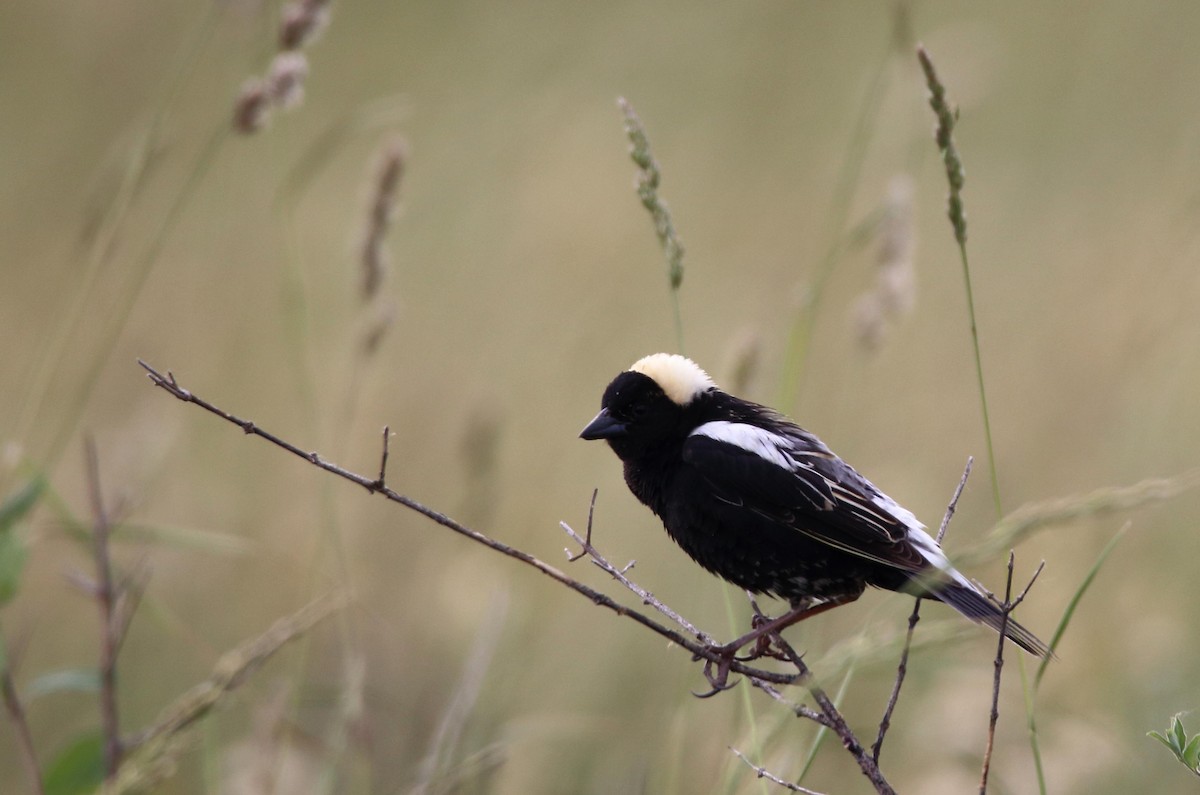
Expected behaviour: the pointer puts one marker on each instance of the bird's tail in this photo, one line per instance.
(978, 607)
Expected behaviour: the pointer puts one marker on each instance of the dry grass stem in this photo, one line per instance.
(1029, 519)
(893, 293)
(153, 752)
(445, 742)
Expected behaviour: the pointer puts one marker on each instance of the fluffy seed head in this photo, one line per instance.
(680, 378)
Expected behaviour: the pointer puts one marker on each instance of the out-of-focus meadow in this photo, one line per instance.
(522, 274)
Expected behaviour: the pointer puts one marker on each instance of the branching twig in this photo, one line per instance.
(902, 669)
(701, 650)
(834, 719)
(1006, 607)
(586, 549)
(107, 597)
(387, 435)
(762, 772)
(708, 651)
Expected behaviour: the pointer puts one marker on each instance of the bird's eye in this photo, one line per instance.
(638, 411)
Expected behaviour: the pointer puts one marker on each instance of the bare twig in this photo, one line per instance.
(902, 669)
(762, 772)
(799, 710)
(383, 458)
(586, 549)
(708, 651)
(585, 545)
(834, 719)
(1006, 607)
(704, 651)
(16, 714)
(106, 597)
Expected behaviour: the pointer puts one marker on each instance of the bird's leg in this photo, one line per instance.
(764, 627)
(717, 668)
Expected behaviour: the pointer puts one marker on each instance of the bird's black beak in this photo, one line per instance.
(604, 426)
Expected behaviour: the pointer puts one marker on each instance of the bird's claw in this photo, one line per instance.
(719, 679)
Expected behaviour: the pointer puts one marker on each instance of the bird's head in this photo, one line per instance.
(647, 403)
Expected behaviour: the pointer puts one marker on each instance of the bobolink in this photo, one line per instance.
(761, 502)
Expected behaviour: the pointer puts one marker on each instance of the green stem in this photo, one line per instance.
(983, 404)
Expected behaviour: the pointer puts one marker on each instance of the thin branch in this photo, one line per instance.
(902, 669)
(106, 597)
(835, 720)
(994, 716)
(799, 710)
(712, 654)
(1006, 607)
(762, 772)
(953, 506)
(586, 549)
(387, 435)
(16, 714)
(585, 545)
(701, 650)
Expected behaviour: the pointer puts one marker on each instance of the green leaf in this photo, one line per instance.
(12, 560)
(1191, 754)
(1162, 739)
(68, 680)
(78, 768)
(20, 503)
(1065, 621)
(1179, 739)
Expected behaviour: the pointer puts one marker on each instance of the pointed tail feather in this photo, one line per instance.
(978, 607)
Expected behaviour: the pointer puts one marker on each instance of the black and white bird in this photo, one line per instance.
(761, 502)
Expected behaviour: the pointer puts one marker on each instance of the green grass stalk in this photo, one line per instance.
(649, 177)
(947, 117)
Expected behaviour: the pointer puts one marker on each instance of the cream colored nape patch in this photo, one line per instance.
(680, 377)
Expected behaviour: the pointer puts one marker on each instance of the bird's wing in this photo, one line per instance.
(794, 479)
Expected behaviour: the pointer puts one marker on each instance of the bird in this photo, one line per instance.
(764, 504)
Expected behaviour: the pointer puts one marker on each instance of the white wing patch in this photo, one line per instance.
(763, 443)
(781, 451)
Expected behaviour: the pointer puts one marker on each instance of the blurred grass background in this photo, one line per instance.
(524, 275)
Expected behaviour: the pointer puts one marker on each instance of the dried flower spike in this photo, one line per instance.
(383, 209)
(252, 109)
(285, 79)
(302, 22)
